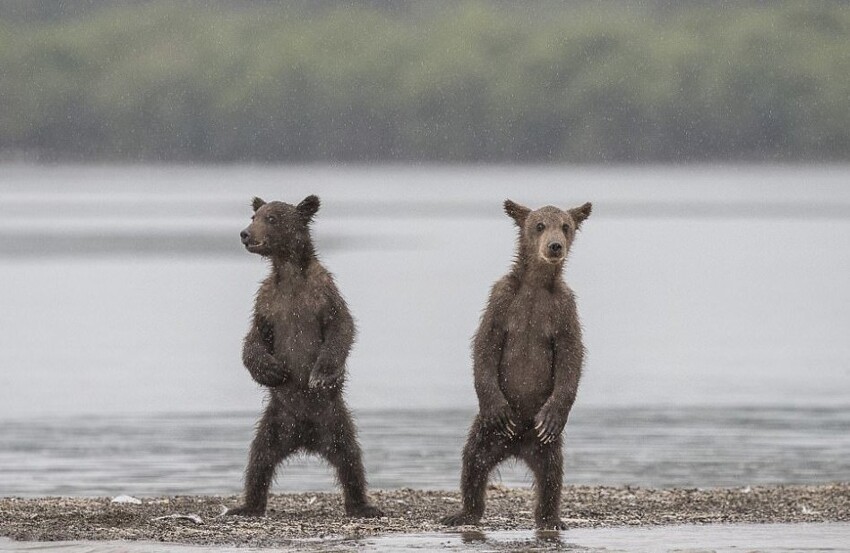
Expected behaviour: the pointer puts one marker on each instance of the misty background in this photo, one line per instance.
(401, 81)
(712, 137)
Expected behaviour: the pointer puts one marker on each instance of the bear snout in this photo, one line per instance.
(555, 249)
(250, 241)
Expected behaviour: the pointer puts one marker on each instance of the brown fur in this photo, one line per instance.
(297, 346)
(527, 357)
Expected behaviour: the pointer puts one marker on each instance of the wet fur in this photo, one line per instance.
(527, 361)
(297, 345)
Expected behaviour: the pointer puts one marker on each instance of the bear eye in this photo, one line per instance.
(566, 228)
(271, 219)
(540, 227)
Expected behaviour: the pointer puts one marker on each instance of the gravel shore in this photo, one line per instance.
(320, 515)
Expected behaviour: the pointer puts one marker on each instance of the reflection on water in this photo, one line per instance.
(206, 454)
(717, 538)
(720, 538)
(537, 539)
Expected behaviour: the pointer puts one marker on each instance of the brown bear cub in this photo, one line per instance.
(527, 356)
(297, 346)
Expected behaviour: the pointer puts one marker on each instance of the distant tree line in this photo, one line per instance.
(464, 81)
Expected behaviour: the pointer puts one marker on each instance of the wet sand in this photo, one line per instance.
(313, 516)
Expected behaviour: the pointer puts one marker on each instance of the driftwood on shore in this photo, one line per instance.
(317, 515)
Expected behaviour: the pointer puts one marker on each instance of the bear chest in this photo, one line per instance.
(532, 319)
(291, 308)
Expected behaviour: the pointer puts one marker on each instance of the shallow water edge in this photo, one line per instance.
(202, 453)
(715, 537)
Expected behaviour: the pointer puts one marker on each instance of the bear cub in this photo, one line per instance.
(297, 346)
(527, 361)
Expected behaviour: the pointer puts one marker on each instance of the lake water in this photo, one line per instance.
(182, 454)
(715, 302)
(717, 538)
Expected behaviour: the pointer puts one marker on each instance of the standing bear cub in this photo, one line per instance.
(527, 357)
(297, 346)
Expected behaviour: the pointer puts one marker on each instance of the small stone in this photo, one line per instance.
(126, 499)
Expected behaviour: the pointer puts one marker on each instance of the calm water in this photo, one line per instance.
(715, 303)
(718, 538)
(205, 454)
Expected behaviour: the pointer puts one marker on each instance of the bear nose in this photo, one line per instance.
(244, 235)
(555, 248)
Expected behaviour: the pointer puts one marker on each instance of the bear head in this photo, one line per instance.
(546, 234)
(279, 229)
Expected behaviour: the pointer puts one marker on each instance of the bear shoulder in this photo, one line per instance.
(264, 297)
(503, 292)
(565, 309)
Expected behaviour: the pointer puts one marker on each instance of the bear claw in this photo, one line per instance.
(555, 524)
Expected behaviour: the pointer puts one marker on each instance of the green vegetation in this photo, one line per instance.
(453, 81)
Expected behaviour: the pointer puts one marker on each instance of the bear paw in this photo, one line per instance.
(323, 381)
(364, 511)
(551, 524)
(461, 518)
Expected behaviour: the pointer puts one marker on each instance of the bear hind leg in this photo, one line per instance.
(484, 450)
(547, 464)
(338, 444)
(274, 441)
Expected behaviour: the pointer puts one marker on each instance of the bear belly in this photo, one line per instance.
(526, 376)
(297, 347)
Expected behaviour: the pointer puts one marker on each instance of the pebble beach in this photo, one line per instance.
(197, 520)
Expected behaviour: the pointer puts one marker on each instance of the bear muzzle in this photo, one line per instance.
(554, 252)
(250, 244)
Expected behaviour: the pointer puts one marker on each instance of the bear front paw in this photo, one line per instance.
(502, 419)
(269, 378)
(549, 423)
(325, 381)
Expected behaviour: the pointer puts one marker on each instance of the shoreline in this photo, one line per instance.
(310, 516)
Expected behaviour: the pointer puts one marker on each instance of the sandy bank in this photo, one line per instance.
(318, 515)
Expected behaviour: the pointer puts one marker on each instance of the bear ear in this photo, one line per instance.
(516, 212)
(308, 207)
(581, 213)
(257, 203)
